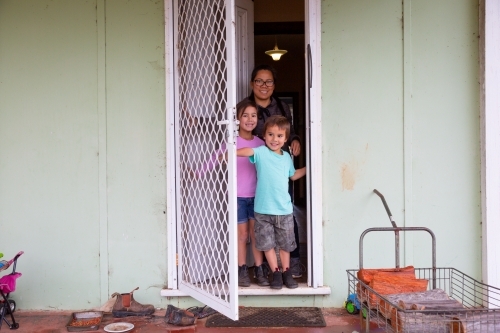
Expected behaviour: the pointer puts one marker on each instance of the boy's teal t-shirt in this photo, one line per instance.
(273, 173)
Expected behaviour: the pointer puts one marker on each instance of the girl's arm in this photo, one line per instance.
(245, 152)
(220, 156)
(299, 173)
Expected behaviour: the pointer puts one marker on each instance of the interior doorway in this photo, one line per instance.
(281, 23)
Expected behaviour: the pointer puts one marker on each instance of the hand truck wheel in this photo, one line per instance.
(351, 308)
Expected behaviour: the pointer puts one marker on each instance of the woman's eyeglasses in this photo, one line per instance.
(268, 83)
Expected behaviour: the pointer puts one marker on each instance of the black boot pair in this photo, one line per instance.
(260, 275)
(283, 278)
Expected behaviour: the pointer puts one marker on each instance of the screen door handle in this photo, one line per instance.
(226, 122)
(309, 65)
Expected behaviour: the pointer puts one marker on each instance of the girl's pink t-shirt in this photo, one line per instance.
(246, 175)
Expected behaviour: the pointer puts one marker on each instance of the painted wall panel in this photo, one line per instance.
(49, 134)
(363, 90)
(135, 90)
(445, 103)
(48, 151)
(362, 75)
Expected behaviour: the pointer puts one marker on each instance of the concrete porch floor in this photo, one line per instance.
(337, 321)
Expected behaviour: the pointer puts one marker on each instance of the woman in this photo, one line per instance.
(263, 81)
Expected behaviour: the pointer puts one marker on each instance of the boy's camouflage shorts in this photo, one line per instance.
(274, 230)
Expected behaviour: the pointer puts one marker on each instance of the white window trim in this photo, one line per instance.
(314, 172)
(489, 50)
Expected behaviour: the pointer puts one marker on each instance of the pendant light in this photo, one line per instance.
(276, 53)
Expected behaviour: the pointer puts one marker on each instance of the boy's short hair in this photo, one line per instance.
(241, 106)
(280, 121)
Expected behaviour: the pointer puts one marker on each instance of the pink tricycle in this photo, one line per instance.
(8, 285)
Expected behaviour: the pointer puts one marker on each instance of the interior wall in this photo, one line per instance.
(290, 68)
(279, 10)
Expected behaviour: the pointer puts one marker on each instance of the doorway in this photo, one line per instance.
(200, 96)
(281, 23)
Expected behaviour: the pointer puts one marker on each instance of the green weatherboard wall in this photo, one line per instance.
(82, 143)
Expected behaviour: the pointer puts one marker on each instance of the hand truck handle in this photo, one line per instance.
(396, 231)
(386, 208)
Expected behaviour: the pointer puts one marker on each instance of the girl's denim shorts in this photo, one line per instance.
(245, 210)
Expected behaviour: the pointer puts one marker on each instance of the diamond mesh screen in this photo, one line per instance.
(202, 97)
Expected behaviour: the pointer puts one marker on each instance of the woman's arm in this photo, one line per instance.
(294, 139)
(299, 173)
(295, 147)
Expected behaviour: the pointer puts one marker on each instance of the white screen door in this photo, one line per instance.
(205, 99)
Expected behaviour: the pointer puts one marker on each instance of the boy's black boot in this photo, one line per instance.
(288, 280)
(259, 276)
(277, 282)
(243, 278)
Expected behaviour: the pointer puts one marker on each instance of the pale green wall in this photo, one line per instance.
(364, 86)
(82, 143)
(51, 129)
(48, 150)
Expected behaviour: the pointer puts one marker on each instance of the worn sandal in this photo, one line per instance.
(202, 312)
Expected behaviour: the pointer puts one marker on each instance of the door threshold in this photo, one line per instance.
(255, 290)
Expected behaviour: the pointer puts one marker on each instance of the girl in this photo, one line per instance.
(246, 181)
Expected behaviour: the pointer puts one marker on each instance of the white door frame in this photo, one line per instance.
(314, 170)
(489, 52)
(313, 33)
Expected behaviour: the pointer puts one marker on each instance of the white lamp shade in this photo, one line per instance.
(276, 53)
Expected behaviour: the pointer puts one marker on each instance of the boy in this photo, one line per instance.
(273, 207)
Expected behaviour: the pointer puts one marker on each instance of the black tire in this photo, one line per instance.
(12, 306)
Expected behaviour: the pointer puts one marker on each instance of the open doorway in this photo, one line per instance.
(281, 23)
(201, 92)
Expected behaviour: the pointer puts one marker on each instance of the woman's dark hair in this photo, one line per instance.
(265, 67)
(243, 105)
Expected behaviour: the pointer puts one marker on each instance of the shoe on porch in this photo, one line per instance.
(243, 278)
(277, 282)
(259, 276)
(296, 267)
(288, 280)
(179, 317)
(125, 305)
